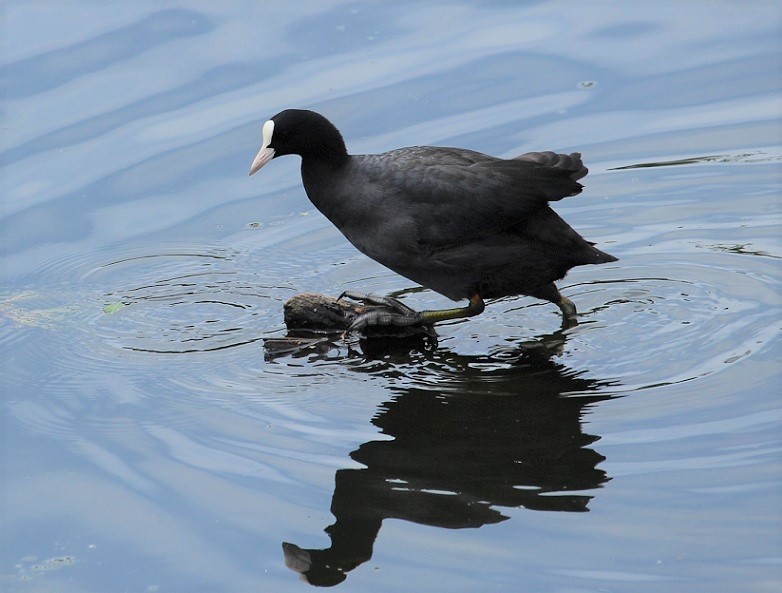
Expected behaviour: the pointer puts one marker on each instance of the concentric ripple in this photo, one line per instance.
(707, 313)
(198, 309)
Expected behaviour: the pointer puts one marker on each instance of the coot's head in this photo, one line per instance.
(302, 132)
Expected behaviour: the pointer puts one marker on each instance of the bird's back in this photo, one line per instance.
(452, 219)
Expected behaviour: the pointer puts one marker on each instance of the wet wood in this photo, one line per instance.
(320, 313)
(318, 322)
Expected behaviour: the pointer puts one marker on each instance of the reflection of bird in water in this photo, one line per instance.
(464, 224)
(474, 440)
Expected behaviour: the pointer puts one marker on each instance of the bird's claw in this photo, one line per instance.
(382, 311)
(384, 316)
(378, 301)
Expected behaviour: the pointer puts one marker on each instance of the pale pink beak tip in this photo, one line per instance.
(264, 156)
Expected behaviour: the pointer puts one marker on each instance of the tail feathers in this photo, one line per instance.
(601, 257)
(571, 163)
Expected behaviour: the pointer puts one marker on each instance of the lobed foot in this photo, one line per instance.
(378, 301)
(381, 311)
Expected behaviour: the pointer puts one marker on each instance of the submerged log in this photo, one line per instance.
(320, 313)
(324, 314)
(316, 320)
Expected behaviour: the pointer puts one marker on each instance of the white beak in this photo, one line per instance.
(265, 154)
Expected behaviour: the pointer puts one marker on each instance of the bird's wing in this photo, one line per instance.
(457, 196)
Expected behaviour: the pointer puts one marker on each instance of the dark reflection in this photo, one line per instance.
(473, 434)
(749, 157)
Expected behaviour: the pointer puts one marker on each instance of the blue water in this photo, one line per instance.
(151, 444)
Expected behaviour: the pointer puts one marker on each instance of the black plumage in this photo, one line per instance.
(462, 223)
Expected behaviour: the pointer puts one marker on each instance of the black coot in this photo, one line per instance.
(462, 223)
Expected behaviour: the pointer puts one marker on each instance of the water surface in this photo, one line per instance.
(151, 445)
